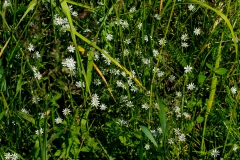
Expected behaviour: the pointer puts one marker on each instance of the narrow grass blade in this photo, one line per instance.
(80, 5)
(112, 59)
(30, 7)
(97, 69)
(66, 11)
(148, 134)
(162, 116)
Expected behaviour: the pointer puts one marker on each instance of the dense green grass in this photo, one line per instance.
(119, 79)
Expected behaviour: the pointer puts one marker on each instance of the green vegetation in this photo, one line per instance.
(136, 79)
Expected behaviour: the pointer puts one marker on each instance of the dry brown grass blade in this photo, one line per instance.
(4, 47)
(82, 50)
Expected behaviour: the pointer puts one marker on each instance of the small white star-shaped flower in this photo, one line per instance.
(71, 49)
(190, 86)
(188, 69)
(147, 147)
(58, 120)
(234, 90)
(197, 31)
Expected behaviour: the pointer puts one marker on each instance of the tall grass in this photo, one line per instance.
(119, 79)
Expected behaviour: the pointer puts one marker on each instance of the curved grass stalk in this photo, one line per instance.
(212, 93)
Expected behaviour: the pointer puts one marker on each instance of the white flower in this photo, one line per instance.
(58, 120)
(178, 94)
(147, 147)
(74, 13)
(181, 138)
(145, 106)
(30, 47)
(95, 101)
(157, 17)
(134, 89)
(190, 86)
(42, 115)
(188, 69)
(7, 155)
(184, 44)
(129, 104)
(35, 99)
(109, 37)
(87, 30)
(71, 49)
(66, 111)
(6, 4)
(69, 63)
(176, 131)
(36, 55)
(100, 3)
(215, 153)
(97, 82)
(160, 74)
(146, 61)
(197, 31)
(171, 78)
(14, 156)
(162, 42)
(170, 141)
(103, 107)
(37, 75)
(235, 147)
(186, 115)
(122, 122)
(191, 7)
(24, 111)
(125, 52)
(184, 37)
(146, 38)
(39, 131)
(139, 25)
(124, 24)
(133, 9)
(155, 53)
(80, 84)
(234, 90)
(127, 41)
(159, 130)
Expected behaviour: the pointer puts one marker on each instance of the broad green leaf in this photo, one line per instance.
(30, 7)
(2, 114)
(200, 119)
(85, 149)
(201, 78)
(149, 135)
(221, 71)
(26, 117)
(209, 66)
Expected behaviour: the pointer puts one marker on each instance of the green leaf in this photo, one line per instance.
(149, 135)
(30, 7)
(200, 119)
(2, 114)
(201, 78)
(209, 66)
(221, 71)
(162, 116)
(26, 117)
